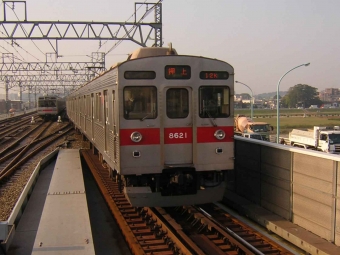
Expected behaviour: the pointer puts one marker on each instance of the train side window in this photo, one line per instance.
(92, 105)
(88, 105)
(177, 103)
(83, 98)
(113, 106)
(140, 102)
(214, 102)
(106, 106)
(99, 107)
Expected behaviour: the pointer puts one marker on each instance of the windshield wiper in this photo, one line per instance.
(147, 115)
(210, 118)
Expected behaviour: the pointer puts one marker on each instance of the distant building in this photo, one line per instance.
(330, 95)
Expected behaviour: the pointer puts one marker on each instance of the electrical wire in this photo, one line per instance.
(131, 29)
(139, 21)
(25, 32)
(115, 34)
(112, 48)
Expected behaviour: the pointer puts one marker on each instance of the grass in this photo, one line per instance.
(294, 118)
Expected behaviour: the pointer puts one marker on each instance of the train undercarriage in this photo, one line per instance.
(175, 186)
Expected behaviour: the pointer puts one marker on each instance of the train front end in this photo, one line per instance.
(175, 129)
(47, 107)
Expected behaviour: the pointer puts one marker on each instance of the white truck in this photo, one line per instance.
(320, 138)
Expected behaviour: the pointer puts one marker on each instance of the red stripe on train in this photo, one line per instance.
(206, 134)
(152, 136)
(149, 136)
(180, 135)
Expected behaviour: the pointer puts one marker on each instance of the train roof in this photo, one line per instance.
(143, 52)
(49, 97)
(148, 52)
(151, 52)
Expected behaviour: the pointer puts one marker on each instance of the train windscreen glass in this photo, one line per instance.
(177, 103)
(140, 102)
(46, 103)
(214, 102)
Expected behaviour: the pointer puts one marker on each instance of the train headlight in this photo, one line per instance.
(219, 134)
(136, 137)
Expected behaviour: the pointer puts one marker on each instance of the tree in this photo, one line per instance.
(245, 96)
(284, 102)
(301, 95)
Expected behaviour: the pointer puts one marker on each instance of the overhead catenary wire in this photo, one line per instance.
(102, 44)
(131, 29)
(25, 32)
(139, 21)
(17, 47)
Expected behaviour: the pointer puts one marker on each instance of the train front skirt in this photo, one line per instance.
(143, 196)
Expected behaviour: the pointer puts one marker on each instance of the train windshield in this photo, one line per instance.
(140, 102)
(47, 103)
(177, 103)
(214, 101)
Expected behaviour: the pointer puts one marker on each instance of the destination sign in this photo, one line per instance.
(139, 75)
(214, 75)
(177, 72)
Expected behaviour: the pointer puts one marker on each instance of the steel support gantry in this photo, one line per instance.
(42, 73)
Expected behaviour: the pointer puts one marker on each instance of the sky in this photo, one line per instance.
(261, 39)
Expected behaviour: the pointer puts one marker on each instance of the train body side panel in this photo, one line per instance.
(90, 119)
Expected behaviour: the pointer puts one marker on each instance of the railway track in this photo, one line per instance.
(12, 120)
(10, 160)
(180, 230)
(19, 159)
(10, 129)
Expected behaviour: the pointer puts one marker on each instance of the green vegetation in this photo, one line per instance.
(301, 95)
(294, 118)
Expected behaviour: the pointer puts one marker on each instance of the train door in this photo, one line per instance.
(84, 112)
(106, 121)
(178, 126)
(92, 116)
(114, 126)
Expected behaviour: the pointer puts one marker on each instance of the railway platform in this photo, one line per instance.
(61, 218)
(65, 223)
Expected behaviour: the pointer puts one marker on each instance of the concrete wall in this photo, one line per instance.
(300, 185)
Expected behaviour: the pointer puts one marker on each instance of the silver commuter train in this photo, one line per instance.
(50, 106)
(164, 125)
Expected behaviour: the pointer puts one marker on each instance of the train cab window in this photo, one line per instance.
(47, 103)
(140, 102)
(214, 102)
(42, 103)
(177, 103)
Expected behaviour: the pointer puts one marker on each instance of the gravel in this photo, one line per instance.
(11, 191)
